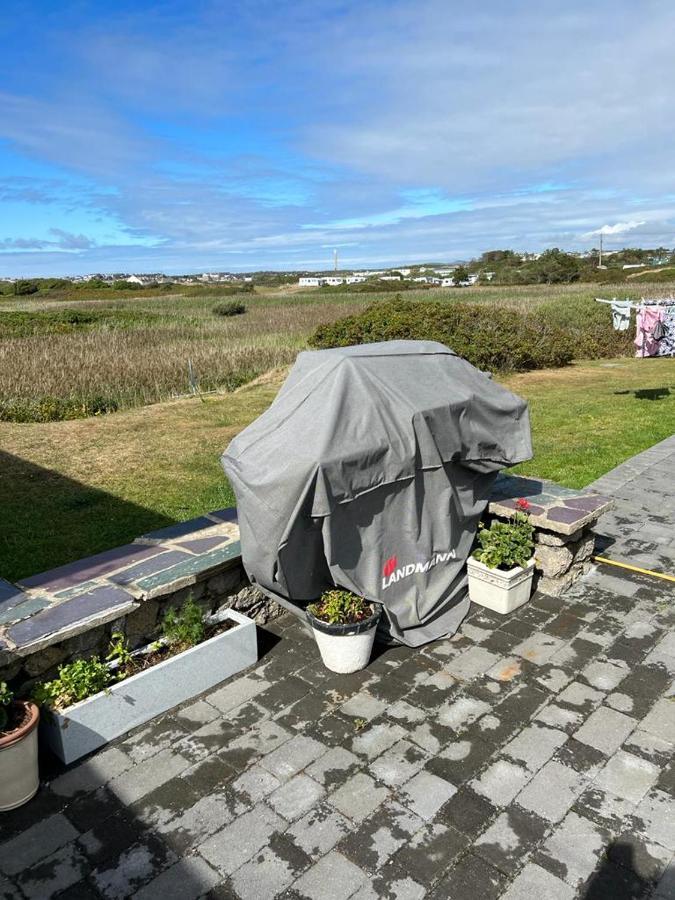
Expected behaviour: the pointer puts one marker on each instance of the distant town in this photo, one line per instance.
(493, 266)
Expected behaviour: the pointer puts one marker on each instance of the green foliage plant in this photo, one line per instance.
(76, 681)
(230, 308)
(490, 337)
(184, 627)
(338, 607)
(6, 697)
(120, 655)
(505, 545)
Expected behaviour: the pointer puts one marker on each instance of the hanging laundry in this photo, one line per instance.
(621, 314)
(647, 319)
(667, 342)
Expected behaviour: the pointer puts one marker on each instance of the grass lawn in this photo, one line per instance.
(69, 489)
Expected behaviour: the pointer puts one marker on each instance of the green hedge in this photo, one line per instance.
(490, 337)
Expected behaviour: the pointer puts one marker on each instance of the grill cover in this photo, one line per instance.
(371, 470)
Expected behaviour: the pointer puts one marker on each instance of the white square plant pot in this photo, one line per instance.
(91, 723)
(498, 590)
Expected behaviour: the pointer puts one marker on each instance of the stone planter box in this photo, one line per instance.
(500, 591)
(88, 725)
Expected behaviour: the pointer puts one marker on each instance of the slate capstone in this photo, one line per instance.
(59, 616)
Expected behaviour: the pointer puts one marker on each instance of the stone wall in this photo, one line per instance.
(560, 560)
(71, 612)
(564, 522)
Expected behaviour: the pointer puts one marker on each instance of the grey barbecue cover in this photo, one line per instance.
(370, 471)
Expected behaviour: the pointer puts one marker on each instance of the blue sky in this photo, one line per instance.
(181, 136)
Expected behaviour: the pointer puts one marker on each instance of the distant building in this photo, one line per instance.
(311, 281)
(390, 278)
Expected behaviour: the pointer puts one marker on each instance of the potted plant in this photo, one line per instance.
(95, 700)
(19, 778)
(344, 628)
(501, 569)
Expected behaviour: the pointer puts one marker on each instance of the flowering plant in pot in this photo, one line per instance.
(501, 569)
(344, 626)
(19, 779)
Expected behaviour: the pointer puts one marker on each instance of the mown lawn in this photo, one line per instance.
(69, 489)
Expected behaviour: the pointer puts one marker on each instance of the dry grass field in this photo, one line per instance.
(61, 358)
(71, 488)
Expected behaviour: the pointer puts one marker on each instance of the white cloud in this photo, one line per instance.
(617, 228)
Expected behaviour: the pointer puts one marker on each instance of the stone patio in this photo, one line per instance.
(530, 757)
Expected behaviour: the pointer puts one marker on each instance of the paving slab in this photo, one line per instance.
(528, 756)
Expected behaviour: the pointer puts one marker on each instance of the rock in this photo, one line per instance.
(253, 603)
(140, 625)
(226, 582)
(46, 659)
(553, 561)
(556, 540)
(584, 548)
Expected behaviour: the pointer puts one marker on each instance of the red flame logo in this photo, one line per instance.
(389, 566)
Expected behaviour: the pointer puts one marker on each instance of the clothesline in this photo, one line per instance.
(636, 304)
(654, 323)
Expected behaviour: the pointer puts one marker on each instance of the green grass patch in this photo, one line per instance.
(70, 489)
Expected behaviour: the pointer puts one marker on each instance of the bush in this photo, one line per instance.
(21, 288)
(230, 308)
(489, 337)
(54, 409)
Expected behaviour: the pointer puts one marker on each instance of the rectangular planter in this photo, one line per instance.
(500, 591)
(88, 725)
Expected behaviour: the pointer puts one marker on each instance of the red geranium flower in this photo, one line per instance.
(522, 504)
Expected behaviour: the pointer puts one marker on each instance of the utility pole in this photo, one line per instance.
(600, 256)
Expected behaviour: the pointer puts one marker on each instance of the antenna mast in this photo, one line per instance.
(335, 260)
(600, 256)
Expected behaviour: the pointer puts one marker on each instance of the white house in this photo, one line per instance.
(333, 280)
(354, 279)
(311, 281)
(390, 277)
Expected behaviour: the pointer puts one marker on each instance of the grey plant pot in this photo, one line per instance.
(88, 725)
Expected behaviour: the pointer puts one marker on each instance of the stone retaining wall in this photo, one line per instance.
(71, 612)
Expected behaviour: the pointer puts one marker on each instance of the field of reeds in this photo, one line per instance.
(63, 359)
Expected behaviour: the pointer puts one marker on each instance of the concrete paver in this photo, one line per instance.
(529, 756)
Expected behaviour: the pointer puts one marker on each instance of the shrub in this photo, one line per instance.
(22, 288)
(490, 337)
(506, 544)
(54, 409)
(341, 608)
(230, 308)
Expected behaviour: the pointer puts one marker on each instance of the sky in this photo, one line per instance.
(186, 135)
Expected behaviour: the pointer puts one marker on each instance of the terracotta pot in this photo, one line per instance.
(19, 778)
